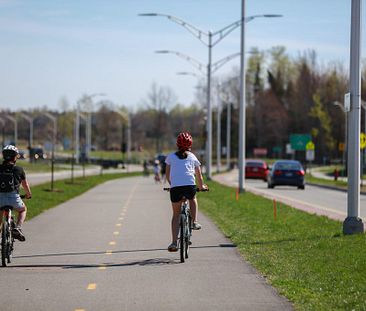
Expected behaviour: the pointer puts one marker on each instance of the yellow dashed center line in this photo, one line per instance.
(118, 225)
(109, 252)
(79, 310)
(102, 267)
(92, 286)
(116, 232)
(120, 218)
(112, 243)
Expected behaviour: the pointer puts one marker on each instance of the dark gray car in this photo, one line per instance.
(287, 173)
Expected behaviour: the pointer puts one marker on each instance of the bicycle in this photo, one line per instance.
(7, 238)
(185, 227)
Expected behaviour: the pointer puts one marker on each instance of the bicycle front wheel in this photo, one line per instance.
(182, 240)
(4, 243)
(188, 234)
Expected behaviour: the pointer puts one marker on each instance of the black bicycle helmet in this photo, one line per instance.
(9, 152)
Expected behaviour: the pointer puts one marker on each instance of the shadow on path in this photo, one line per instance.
(117, 251)
(147, 262)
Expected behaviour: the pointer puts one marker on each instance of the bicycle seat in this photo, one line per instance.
(6, 208)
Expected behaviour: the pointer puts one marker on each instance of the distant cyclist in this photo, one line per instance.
(181, 171)
(11, 177)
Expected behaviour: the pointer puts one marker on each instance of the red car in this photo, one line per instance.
(257, 169)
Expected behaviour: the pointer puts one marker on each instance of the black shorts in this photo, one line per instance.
(177, 193)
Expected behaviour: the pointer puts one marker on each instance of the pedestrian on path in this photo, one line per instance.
(182, 170)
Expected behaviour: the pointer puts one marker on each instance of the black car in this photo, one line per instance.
(37, 153)
(287, 173)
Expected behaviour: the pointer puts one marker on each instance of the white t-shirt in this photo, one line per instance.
(182, 171)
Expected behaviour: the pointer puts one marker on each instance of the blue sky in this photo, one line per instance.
(50, 49)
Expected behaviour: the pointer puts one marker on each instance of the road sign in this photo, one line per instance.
(289, 150)
(347, 102)
(362, 140)
(310, 146)
(299, 141)
(310, 155)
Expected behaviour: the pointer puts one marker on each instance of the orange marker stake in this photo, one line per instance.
(274, 210)
(237, 194)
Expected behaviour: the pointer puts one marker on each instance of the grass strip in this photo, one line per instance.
(306, 257)
(42, 199)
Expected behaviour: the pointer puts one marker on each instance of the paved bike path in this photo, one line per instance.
(106, 250)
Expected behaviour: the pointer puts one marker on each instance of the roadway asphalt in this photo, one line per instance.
(106, 250)
(314, 199)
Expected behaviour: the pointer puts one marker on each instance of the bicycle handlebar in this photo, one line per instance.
(197, 189)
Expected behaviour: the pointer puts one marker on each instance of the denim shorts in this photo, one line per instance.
(12, 199)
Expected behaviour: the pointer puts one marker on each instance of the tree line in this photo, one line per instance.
(284, 95)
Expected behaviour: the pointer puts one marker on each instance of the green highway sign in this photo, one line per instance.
(299, 141)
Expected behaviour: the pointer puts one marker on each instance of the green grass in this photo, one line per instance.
(43, 200)
(38, 166)
(306, 257)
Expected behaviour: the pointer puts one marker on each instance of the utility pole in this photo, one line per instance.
(353, 223)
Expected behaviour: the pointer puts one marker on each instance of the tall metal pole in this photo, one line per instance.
(77, 132)
(128, 137)
(218, 123)
(53, 153)
(12, 119)
(242, 106)
(353, 223)
(209, 111)
(30, 137)
(228, 135)
(2, 132)
(88, 135)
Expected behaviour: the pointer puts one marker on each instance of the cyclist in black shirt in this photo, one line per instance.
(11, 177)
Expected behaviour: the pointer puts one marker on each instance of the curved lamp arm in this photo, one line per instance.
(198, 33)
(197, 64)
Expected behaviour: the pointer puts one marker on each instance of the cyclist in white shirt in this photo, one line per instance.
(182, 170)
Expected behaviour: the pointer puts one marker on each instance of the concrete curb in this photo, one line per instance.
(331, 187)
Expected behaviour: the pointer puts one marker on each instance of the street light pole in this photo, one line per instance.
(85, 98)
(12, 119)
(2, 132)
(242, 105)
(218, 144)
(353, 223)
(54, 120)
(228, 135)
(30, 139)
(210, 43)
(209, 111)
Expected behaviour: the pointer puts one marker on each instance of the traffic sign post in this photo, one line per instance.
(310, 153)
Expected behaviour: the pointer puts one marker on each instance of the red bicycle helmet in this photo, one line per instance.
(184, 141)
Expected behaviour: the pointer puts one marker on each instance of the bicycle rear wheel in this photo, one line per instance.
(4, 243)
(182, 240)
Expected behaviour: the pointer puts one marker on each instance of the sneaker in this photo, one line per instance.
(196, 226)
(18, 234)
(173, 247)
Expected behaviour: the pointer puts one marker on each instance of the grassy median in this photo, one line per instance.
(306, 257)
(44, 199)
